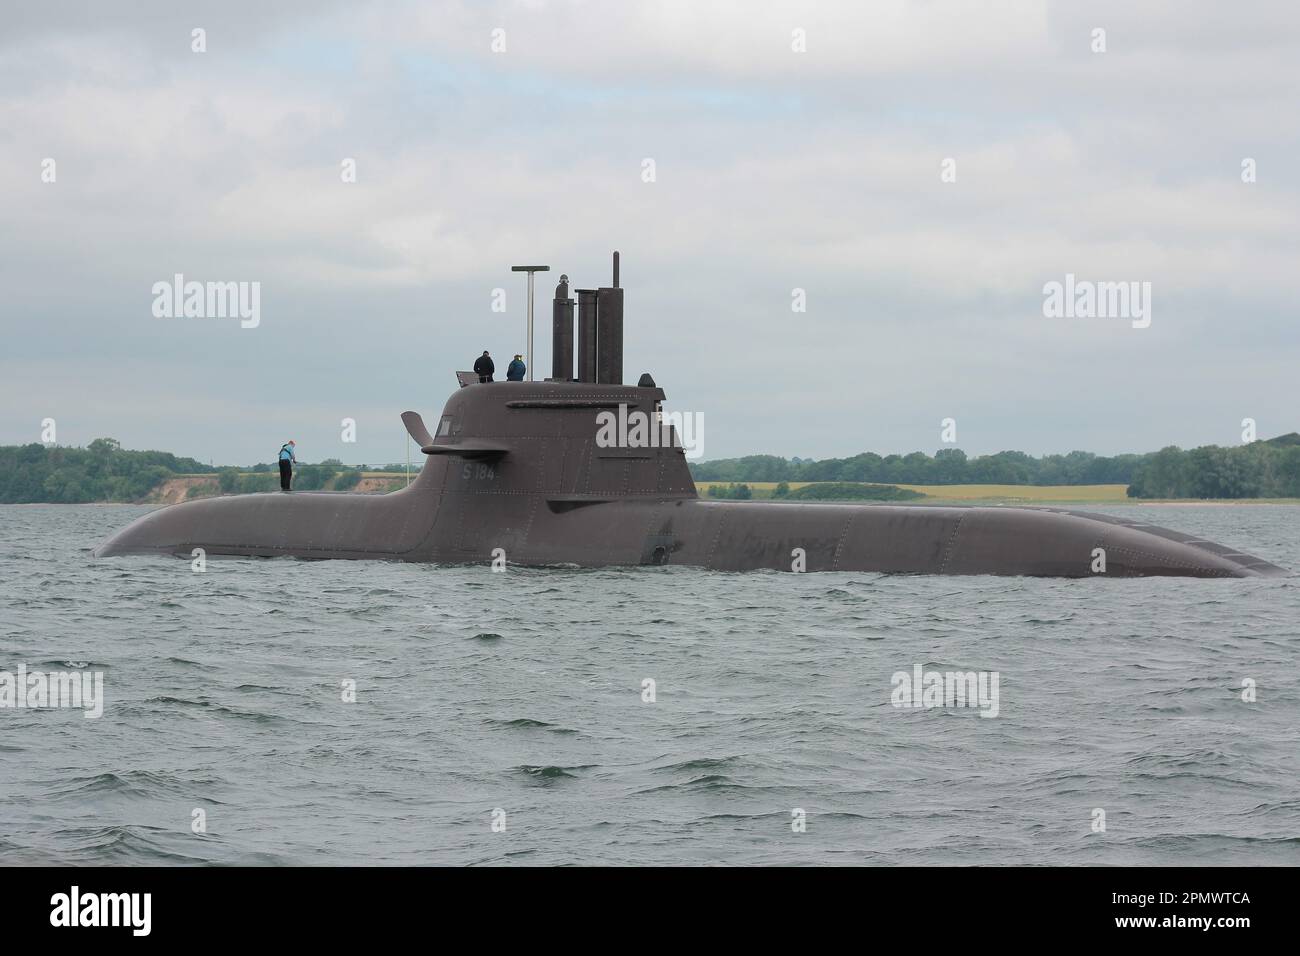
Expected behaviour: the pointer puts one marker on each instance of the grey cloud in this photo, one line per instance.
(773, 173)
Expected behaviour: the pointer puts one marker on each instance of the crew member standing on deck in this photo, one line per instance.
(286, 465)
(515, 373)
(484, 368)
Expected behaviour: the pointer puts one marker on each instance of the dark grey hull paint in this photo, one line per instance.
(516, 467)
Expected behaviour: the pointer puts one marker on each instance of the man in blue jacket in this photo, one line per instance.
(286, 465)
(515, 373)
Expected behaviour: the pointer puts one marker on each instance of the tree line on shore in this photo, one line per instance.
(822, 491)
(1261, 469)
(104, 471)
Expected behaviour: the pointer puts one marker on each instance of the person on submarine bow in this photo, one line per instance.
(515, 373)
(286, 464)
(484, 367)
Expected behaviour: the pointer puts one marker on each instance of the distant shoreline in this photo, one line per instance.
(1269, 470)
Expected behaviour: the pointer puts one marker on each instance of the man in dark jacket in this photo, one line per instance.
(515, 373)
(484, 368)
(287, 460)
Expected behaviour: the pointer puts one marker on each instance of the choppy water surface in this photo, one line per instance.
(523, 691)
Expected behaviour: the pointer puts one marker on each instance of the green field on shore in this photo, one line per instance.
(1035, 493)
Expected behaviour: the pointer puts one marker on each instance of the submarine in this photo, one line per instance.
(518, 472)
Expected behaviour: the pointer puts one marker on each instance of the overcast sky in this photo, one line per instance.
(774, 170)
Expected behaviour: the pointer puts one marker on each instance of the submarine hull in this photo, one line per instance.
(724, 536)
(517, 472)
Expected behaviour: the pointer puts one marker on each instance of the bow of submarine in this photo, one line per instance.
(299, 524)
